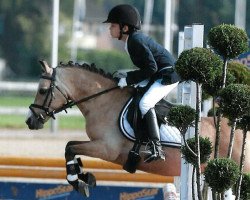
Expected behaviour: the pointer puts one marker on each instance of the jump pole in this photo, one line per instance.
(54, 50)
(190, 38)
(56, 162)
(54, 168)
(56, 173)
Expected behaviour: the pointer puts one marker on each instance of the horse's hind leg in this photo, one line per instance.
(74, 168)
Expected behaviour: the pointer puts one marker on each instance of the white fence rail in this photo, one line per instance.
(18, 86)
(24, 110)
(26, 87)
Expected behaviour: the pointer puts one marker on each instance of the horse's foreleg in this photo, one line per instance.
(74, 168)
(96, 149)
(73, 164)
(68, 154)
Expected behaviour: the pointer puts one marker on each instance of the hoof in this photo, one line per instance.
(83, 189)
(88, 178)
(80, 187)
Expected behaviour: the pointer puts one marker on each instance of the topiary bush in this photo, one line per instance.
(237, 73)
(205, 150)
(211, 113)
(244, 122)
(228, 40)
(221, 174)
(109, 60)
(240, 72)
(235, 100)
(182, 117)
(197, 64)
(245, 187)
(213, 86)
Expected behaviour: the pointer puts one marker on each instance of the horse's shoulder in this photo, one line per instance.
(128, 91)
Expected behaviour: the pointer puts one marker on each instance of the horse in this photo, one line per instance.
(100, 101)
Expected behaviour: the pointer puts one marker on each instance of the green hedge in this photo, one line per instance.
(109, 61)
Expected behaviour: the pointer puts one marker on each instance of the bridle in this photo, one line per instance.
(48, 99)
(51, 95)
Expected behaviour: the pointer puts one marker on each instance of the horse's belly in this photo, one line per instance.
(170, 167)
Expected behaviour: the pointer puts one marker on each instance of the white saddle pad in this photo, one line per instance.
(170, 136)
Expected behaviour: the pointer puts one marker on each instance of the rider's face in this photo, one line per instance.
(114, 30)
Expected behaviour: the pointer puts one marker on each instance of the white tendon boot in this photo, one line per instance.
(228, 195)
(169, 192)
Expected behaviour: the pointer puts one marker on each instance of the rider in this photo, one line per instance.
(154, 63)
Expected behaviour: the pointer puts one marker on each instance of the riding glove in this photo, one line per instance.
(119, 74)
(122, 82)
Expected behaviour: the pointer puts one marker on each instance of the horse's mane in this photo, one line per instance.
(90, 67)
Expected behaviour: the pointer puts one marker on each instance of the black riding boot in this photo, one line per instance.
(154, 150)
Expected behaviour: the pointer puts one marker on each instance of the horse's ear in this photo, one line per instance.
(45, 66)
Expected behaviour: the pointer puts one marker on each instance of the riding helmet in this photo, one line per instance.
(125, 14)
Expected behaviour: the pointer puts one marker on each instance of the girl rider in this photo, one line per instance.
(154, 63)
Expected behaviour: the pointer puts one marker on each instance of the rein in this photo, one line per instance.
(73, 103)
(69, 104)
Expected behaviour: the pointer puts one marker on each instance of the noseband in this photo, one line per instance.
(68, 104)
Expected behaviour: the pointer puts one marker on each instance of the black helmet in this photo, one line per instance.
(125, 14)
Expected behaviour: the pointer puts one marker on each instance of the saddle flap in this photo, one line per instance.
(170, 136)
(162, 109)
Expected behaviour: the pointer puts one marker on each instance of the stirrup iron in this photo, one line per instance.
(153, 152)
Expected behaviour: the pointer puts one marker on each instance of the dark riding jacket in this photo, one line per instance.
(152, 59)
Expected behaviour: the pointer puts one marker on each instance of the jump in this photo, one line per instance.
(72, 82)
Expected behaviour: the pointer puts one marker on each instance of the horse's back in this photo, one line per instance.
(208, 130)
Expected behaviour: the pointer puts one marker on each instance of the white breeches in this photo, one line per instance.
(154, 94)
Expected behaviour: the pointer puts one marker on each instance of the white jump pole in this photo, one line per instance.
(54, 52)
(167, 26)
(190, 38)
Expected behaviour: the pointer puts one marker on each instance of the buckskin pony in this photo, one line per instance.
(100, 101)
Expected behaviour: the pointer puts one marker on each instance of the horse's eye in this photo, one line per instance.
(43, 90)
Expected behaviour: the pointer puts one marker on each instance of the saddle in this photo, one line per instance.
(133, 117)
(138, 123)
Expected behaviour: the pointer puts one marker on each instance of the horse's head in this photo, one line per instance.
(49, 98)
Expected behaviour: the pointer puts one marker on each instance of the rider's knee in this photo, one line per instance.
(145, 106)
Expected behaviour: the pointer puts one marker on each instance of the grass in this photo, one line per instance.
(64, 122)
(18, 121)
(72, 122)
(15, 101)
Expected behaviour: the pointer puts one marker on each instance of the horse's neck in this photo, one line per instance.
(80, 83)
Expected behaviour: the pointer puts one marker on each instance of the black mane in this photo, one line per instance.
(90, 67)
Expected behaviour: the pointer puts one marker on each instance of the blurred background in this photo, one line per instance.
(26, 36)
(72, 30)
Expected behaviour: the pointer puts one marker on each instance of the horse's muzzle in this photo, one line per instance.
(33, 123)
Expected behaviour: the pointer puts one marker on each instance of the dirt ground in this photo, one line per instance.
(41, 143)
